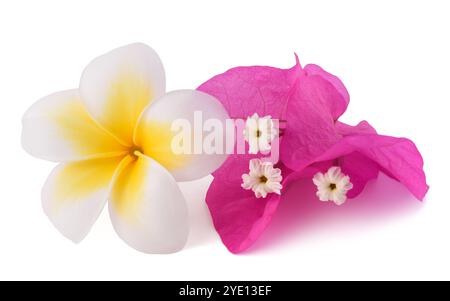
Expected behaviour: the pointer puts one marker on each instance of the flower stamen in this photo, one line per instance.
(136, 152)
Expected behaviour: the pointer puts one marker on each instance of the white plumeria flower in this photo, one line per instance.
(262, 178)
(259, 132)
(332, 186)
(113, 135)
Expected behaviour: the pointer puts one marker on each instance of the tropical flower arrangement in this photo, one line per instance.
(114, 137)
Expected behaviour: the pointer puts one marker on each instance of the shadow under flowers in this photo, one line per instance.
(301, 213)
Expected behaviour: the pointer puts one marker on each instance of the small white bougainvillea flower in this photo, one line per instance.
(113, 135)
(332, 186)
(259, 132)
(262, 178)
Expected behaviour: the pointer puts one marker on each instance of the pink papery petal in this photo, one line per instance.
(337, 107)
(310, 128)
(361, 128)
(238, 216)
(397, 157)
(314, 97)
(258, 89)
(268, 91)
(360, 169)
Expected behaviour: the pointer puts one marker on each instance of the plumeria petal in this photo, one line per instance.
(75, 194)
(147, 209)
(58, 128)
(117, 86)
(155, 133)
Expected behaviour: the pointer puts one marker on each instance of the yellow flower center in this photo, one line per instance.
(136, 151)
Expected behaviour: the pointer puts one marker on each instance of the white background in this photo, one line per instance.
(393, 56)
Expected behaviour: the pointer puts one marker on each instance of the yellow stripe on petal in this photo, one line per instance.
(79, 179)
(184, 109)
(128, 190)
(117, 86)
(76, 126)
(59, 128)
(155, 139)
(75, 194)
(147, 208)
(128, 96)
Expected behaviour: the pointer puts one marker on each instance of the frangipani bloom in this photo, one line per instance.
(113, 136)
(310, 100)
